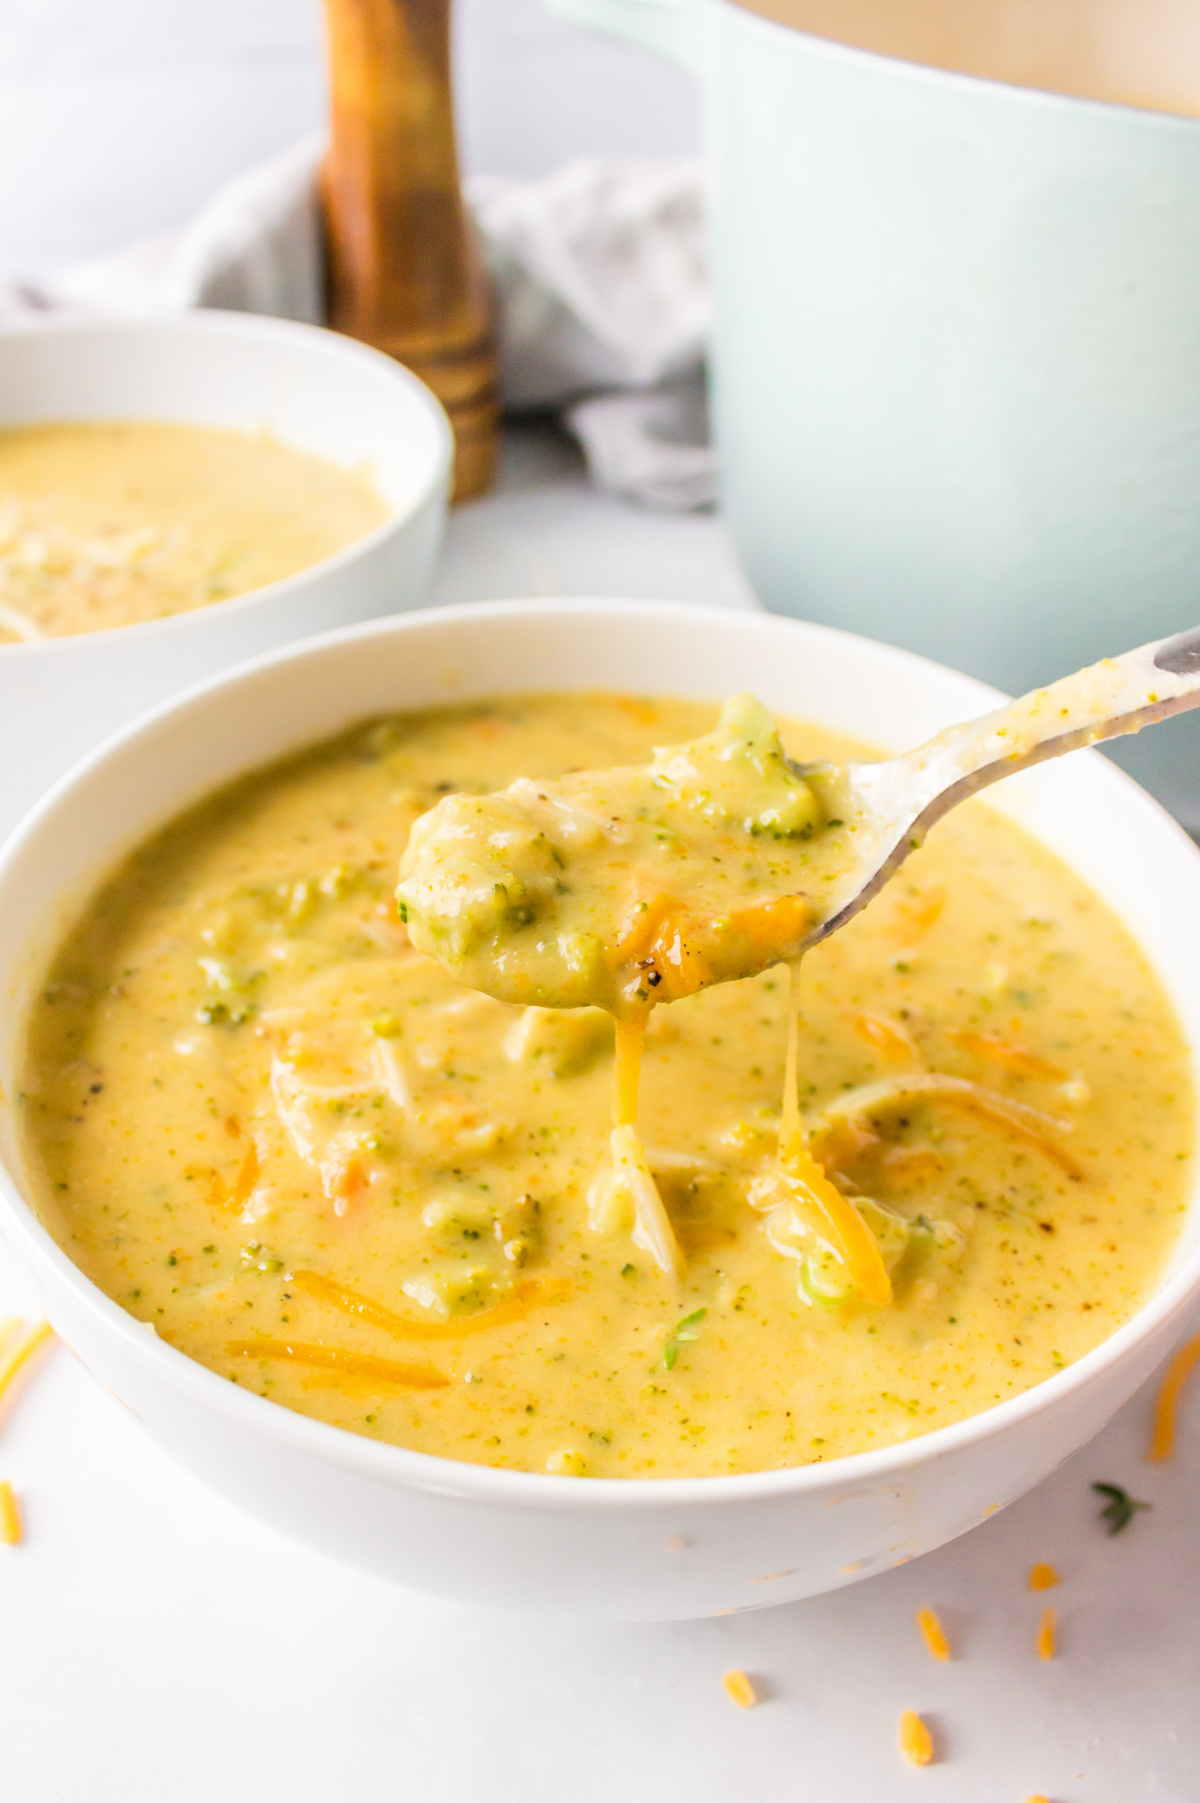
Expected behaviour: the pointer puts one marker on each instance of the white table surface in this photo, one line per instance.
(156, 1646)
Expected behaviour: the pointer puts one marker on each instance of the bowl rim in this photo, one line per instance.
(406, 1467)
(218, 322)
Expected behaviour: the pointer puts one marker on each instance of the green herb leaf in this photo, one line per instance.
(683, 1331)
(1120, 1508)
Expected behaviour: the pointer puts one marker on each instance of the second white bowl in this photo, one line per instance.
(312, 390)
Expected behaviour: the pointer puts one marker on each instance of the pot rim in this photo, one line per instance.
(1045, 99)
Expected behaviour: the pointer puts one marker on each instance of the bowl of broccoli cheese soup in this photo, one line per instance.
(409, 1260)
(177, 495)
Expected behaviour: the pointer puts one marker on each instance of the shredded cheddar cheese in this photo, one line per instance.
(1047, 1643)
(1178, 1371)
(916, 1742)
(21, 1348)
(1010, 1053)
(886, 1037)
(526, 1297)
(10, 1516)
(836, 1215)
(933, 1634)
(1043, 1576)
(739, 1689)
(335, 1358)
(1029, 1124)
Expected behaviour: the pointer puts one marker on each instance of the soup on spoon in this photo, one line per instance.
(628, 887)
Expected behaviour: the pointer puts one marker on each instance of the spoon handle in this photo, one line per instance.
(1119, 695)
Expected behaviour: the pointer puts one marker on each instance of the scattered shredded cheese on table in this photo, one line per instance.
(739, 1689)
(10, 1516)
(1162, 1440)
(1047, 1645)
(916, 1742)
(21, 1349)
(1043, 1576)
(933, 1634)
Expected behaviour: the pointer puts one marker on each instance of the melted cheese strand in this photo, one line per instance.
(627, 1067)
(336, 1358)
(631, 1173)
(526, 1297)
(1162, 1441)
(789, 1113)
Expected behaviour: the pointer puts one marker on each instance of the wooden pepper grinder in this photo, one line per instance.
(404, 270)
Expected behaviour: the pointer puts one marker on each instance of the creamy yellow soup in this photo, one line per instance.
(302, 1151)
(112, 523)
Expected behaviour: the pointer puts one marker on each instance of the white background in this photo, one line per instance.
(117, 117)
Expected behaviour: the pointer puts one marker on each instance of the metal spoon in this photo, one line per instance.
(890, 806)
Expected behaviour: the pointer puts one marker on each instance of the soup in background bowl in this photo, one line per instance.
(107, 523)
(511, 1526)
(136, 596)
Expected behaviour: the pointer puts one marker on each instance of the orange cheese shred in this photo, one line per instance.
(739, 1689)
(247, 1177)
(1047, 1642)
(681, 967)
(933, 1634)
(640, 928)
(21, 1348)
(534, 1293)
(1009, 1052)
(364, 1365)
(836, 1216)
(886, 1037)
(1162, 1440)
(775, 927)
(1029, 1124)
(11, 1531)
(1043, 1576)
(916, 1742)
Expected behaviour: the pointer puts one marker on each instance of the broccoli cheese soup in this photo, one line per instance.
(273, 1128)
(112, 523)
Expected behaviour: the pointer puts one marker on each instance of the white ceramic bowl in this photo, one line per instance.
(580, 1544)
(312, 389)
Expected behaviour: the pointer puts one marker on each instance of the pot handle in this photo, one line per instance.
(672, 28)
